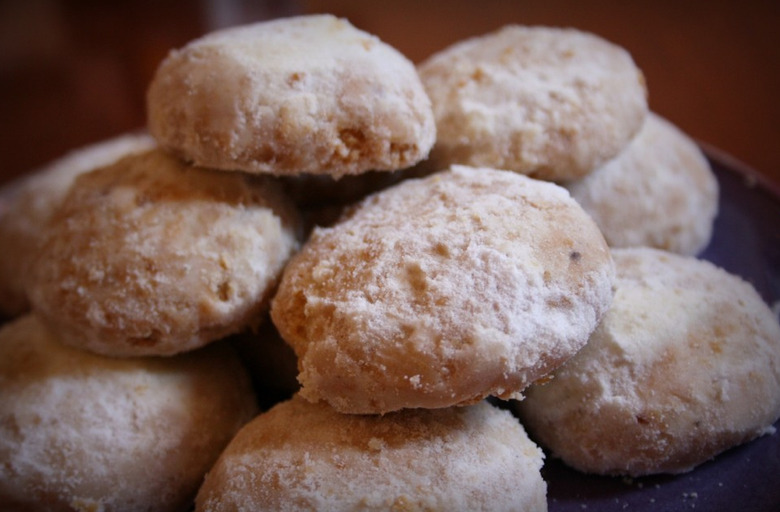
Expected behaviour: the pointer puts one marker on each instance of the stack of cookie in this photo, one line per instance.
(570, 107)
(685, 363)
(390, 245)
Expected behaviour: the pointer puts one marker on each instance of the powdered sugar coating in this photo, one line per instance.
(443, 291)
(659, 192)
(307, 94)
(304, 456)
(549, 102)
(89, 433)
(152, 257)
(26, 209)
(685, 365)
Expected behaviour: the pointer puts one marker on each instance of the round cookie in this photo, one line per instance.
(659, 192)
(685, 365)
(442, 291)
(152, 257)
(307, 94)
(29, 204)
(551, 103)
(304, 456)
(79, 431)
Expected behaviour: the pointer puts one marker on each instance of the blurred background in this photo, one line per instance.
(73, 72)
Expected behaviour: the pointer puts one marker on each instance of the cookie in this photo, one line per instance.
(551, 103)
(304, 456)
(28, 206)
(685, 365)
(308, 94)
(442, 291)
(150, 256)
(659, 192)
(79, 431)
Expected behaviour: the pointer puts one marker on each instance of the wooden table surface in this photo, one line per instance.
(75, 72)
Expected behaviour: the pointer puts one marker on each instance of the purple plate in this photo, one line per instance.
(746, 241)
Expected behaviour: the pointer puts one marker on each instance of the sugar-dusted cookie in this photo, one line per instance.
(307, 94)
(685, 364)
(150, 256)
(79, 431)
(442, 291)
(659, 192)
(304, 456)
(27, 206)
(552, 103)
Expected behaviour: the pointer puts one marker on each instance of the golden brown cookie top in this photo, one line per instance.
(658, 192)
(28, 206)
(548, 102)
(152, 256)
(304, 456)
(80, 431)
(309, 94)
(684, 365)
(443, 291)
